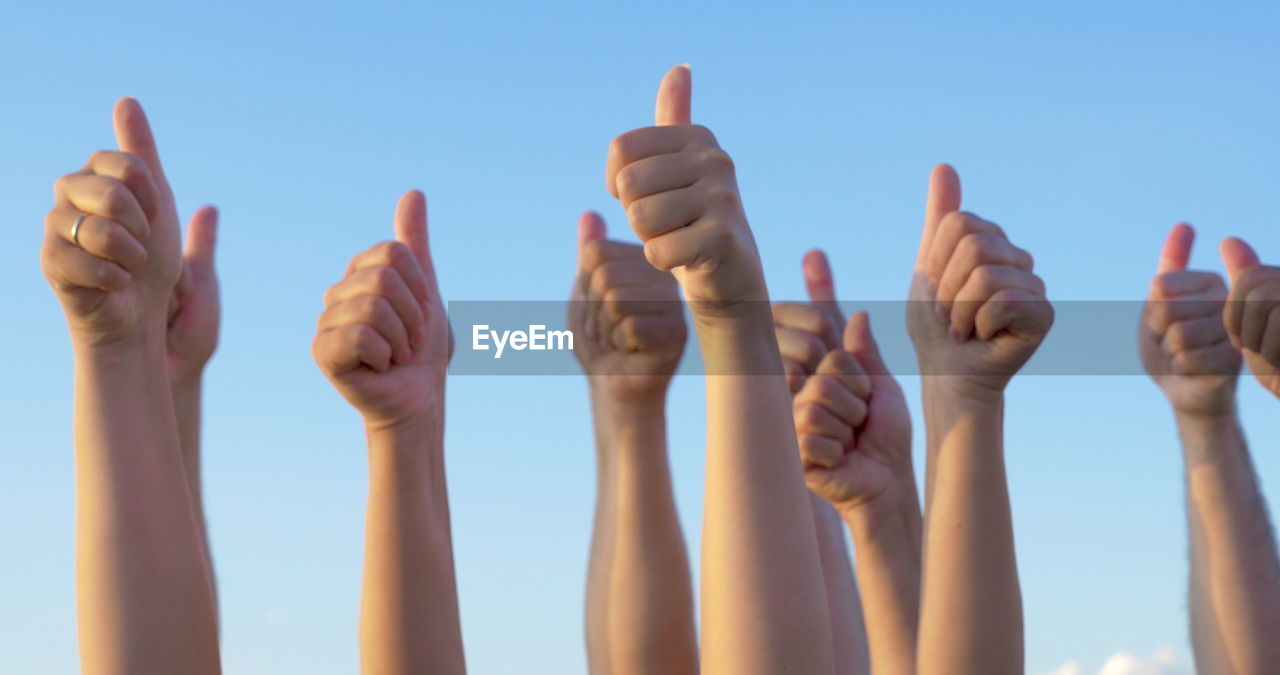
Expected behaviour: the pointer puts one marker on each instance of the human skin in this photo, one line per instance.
(764, 607)
(854, 433)
(143, 591)
(383, 341)
(1190, 345)
(631, 329)
(191, 337)
(977, 313)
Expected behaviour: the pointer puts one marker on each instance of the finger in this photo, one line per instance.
(821, 286)
(396, 255)
(859, 341)
(1016, 311)
(687, 246)
(816, 450)
(672, 171)
(813, 418)
(1176, 251)
(795, 374)
(134, 136)
(638, 273)
(648, 333)
(647, 142)
(807, 318)
(842, 366)
(133, 172)
(106, 197)
(1219, 358)
(1238, 256)
(1193, 333)
(387, 283)
(411, 230)
(202, 241)
(954, 228)
(661, 213)
(675, 96)
(801, 347)
(1183, 282)
(73, 268)
(1162, 313)
(982, 283)
(591, 228)
(373, 311)
(944, 197)
(836, 398)
(1253, 327)
(99, 237)
(345, 348)
(973, 251)
(1271, 338)
(621, 301)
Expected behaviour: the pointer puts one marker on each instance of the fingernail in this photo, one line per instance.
(941, 310)
(419, 336)
(955, 334)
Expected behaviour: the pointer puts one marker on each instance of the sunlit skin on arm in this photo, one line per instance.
(143, 592)
(764, 608)
(854, 433)
(383, 341)
(630, 330)
(977, 313)
(1191, 346)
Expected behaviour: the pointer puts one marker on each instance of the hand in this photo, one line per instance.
(1181, 338)
(114, 286)
(681, 196)
(627, 316)
(384, 339)
(977, 310)
(194, 309)
(1252, 303)
(852, 423)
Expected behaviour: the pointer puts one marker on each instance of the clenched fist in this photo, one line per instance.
(383, 339)
(1252, 314)
(111, 246)
(977, 308)
(1182, 339)
(852, 423)
(681, 196)
(628, 317)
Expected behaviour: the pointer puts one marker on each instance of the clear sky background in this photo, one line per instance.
(1085, 129)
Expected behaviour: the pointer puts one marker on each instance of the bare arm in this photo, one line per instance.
(848, 629)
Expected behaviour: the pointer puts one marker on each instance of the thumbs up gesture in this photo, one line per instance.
(1182, 340)
(852, 423)
(629, 316)
(977, 308)
(383, 339)
(111, 246)
(681, 196)
(1252, 314)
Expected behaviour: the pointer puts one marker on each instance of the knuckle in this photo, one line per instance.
(716, 159)
(721, 197)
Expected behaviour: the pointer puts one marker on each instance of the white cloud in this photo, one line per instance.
(1163, 661)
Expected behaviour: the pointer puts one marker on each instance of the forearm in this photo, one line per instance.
(145, 600)
(971, 606)
(600, 563)
(409, 605)
(650, 609)
(887, 543)
(764, 605)
(848, 631)
(1235, 575)
(187, 396)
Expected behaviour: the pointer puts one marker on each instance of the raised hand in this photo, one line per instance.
(1182, 339)
(1251, 316)
(852, 423)
(114, 274)
(383, 339)
(194, 308)
(681, 196)
(977, 309)
(628, 315)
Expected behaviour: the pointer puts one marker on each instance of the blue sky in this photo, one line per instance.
(1085, 130)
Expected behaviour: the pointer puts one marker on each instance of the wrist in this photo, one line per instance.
(962, 390)
(147, 345)
(886, 514)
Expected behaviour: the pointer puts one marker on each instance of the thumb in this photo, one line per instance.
(821, 285)
(411, 230)
(1176, 252)
(1237, 256)
(944, 197)
(675, 96)
(859, 342)
(133, 135)
(591, 228)
(202, 239)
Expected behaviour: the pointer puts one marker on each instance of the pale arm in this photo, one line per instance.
(848, 631)
(1235, 575)
(187, 395)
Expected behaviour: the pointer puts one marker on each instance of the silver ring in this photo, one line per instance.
(75, 230)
